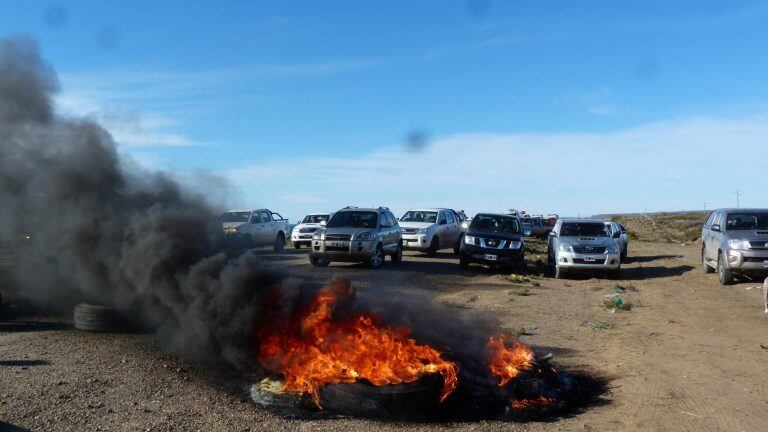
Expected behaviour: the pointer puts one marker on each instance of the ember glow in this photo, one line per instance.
(507, 358)
(527, 404)
(321, 344)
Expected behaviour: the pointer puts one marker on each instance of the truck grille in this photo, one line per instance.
(307, 230)
(409, 230)
(338, 236)
(582, 261)
(589, 249)
(758, 245)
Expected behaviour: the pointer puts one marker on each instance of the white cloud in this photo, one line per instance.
(671, 165)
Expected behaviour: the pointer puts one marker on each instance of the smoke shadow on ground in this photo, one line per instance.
(24, 363)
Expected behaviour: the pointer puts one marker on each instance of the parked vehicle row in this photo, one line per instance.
(369, 235)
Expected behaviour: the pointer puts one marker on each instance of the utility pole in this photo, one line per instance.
(705, 206)
(738, 198)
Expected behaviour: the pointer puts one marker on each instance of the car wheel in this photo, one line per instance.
(297, 245)
(433, 247)
(457, 248)
(377, 259)
(463, 262)
(397, 257)
(559, 272)
(726, 276)
(623, 254)
(279, 242)
(319, 261)
(704, 266)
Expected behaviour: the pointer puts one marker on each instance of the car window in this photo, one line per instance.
(385, 222)
(392, 219)
(354, 219)
(419, 216)
(255, 218)
(315, 218)
(710, 218)
(746, 221)
(588, 229)
(235, 216)
(450, 217)
(719, 219)
(442, 219)
(506, 224)
(265, 216)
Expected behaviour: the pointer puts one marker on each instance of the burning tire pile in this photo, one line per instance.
(333, 356)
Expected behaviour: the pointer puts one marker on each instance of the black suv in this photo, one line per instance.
(494, 239)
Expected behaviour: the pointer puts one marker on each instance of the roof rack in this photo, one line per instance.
(383, 208)
(350, 207)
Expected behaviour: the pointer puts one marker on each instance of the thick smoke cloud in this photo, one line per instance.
(102, 230)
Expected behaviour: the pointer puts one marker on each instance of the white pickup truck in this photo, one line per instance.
(256, 227)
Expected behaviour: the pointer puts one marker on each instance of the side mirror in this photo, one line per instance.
(616, 234)
(716, 227)
(322, 223)
(552, 234)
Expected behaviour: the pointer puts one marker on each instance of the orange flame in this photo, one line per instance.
(527, 404)
(507, 362)
(315, 348)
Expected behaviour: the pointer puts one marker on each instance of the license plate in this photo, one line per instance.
(338, 244)
(489, 257)
(589, 259)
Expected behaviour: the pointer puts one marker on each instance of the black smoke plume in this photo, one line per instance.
(87, 225)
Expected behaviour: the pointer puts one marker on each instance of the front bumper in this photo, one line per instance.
(492, 255)
(343, 250)
(748, 260)
(301, 238)
(573, 260)
(416, 241)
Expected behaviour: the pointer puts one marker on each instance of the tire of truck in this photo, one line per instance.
(704, 266)
(397, 257)
(457, 248)
(434, 245)
(98, 318)
(559, 272)
(318, 261)
(377, 259)
(279, 242)
(726, 276)
(297, 245)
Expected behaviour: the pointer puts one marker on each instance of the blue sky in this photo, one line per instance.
(567, 107)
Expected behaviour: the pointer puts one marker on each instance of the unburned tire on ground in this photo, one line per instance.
(97, 318)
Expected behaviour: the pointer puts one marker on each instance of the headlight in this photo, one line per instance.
(612, 249)
(365, 236)
(231, 230)
(319, 235)
(295, 230)
(421, 231)
(469, 240)
(738, 244)
(515, 245)
(566, 248)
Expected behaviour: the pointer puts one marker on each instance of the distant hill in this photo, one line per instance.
(665, 227)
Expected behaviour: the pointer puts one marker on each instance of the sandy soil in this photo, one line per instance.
(687, 356)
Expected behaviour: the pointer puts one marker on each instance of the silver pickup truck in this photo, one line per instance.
(582, 245)
(256, 228)
(735, 242)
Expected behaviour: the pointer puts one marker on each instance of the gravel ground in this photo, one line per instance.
(687, 356)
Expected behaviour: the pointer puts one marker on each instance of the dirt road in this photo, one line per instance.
(687, 356)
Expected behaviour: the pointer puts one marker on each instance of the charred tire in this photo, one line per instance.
(279, 242)
(319, 261)
(434, 245)
(726, 276)
(97, 318)
(377, 259)
(457, 248)
(397, 257)
(704, 266)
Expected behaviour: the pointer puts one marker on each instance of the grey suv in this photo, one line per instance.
(358, 235)
(735, 241)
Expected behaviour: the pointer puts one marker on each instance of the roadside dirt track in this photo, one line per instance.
(687, 356)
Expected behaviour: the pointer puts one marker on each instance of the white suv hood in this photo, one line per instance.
(308, 225)
(415, 224)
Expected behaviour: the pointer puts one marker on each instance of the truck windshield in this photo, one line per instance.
(354, 219)
(573, 229)
(746, 221)
(498, 223)
(315, 218)
(235, 216)
(419, 216)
